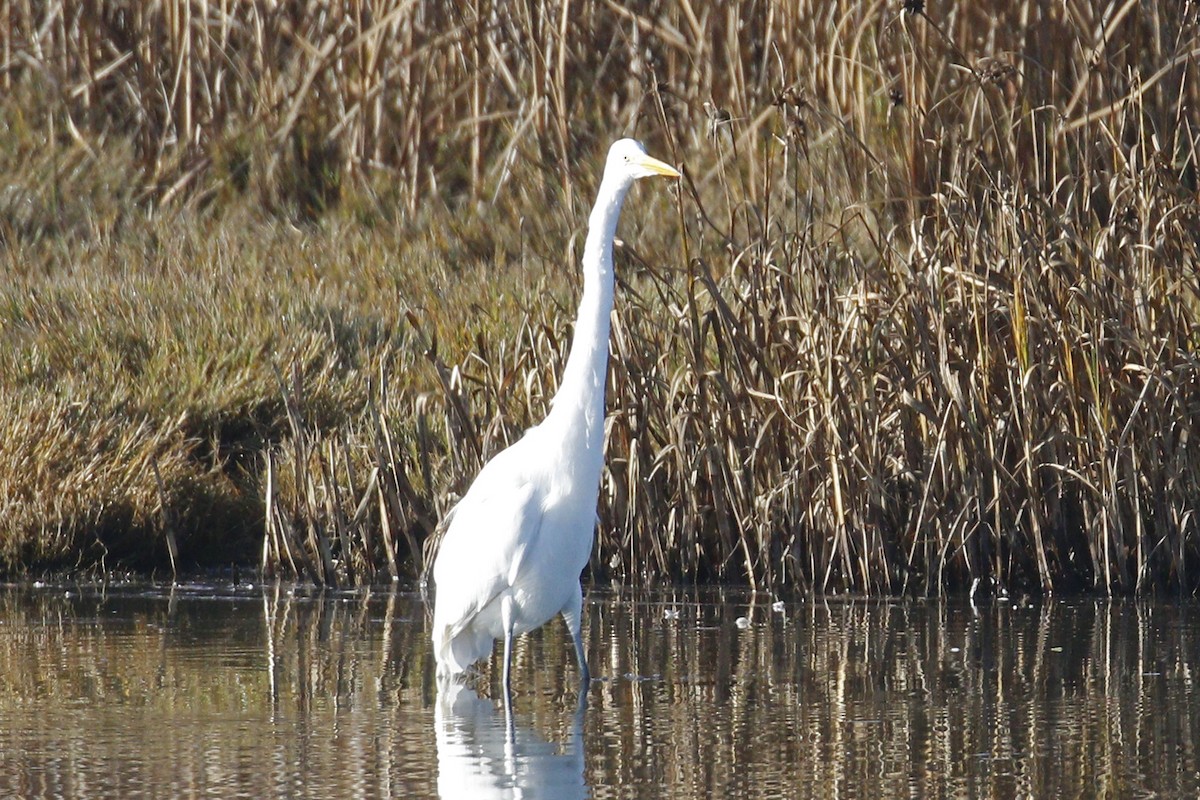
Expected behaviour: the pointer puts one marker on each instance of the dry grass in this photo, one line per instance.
(922, 316)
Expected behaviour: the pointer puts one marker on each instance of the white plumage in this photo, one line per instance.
(517, 542)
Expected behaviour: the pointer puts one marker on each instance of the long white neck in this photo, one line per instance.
(577, 413)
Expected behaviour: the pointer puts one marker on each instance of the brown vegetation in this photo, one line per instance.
(922, 314)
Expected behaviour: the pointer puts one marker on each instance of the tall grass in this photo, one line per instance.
(922, 315)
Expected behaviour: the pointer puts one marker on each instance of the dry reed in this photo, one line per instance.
(923, 316)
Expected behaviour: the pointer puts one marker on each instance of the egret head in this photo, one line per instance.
(628, 159)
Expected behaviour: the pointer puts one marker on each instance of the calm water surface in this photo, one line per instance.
(252, 692)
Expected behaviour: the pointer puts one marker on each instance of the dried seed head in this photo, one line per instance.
(792, 97)
(994, 70)
(797, 130)
(716, 114)
(717, 118)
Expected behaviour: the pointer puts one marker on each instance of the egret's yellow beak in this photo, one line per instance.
(656, 167)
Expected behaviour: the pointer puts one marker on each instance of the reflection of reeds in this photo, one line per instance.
(924, 314)
(849, 697)
(883, 699)
(189, 695)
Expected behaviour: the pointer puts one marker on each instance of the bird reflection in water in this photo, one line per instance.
(484, 754)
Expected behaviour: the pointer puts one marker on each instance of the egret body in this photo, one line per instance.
(516, 543)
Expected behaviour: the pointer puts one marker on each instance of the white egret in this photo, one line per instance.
(516, 543)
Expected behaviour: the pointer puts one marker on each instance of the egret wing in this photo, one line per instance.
(492, 528)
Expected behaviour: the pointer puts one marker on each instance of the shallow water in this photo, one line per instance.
(246, 692)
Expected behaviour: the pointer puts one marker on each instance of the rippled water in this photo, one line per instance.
(249, 692)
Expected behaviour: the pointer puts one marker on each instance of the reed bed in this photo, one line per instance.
(920, 317)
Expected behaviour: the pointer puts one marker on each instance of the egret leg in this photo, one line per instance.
(506, 616)
(572, 614)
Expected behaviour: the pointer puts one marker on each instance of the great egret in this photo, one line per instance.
(517, 542)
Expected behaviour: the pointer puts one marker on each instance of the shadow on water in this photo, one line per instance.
(282, 692)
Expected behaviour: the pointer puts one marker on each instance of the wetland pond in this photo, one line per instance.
(280, 691)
